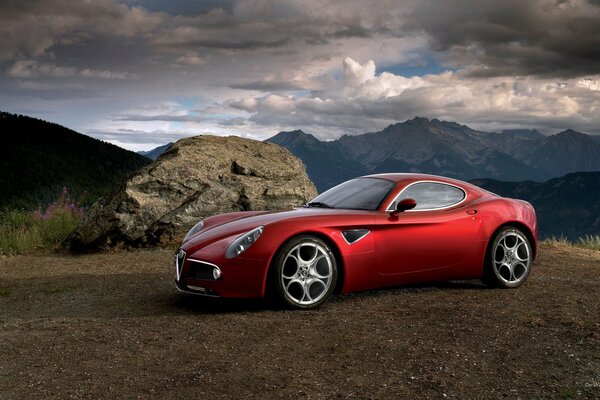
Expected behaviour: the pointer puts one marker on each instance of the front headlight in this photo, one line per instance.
(241, 244)
(195, 229)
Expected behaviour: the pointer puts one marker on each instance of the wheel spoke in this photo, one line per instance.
(308, 245)
(504, 267)
(306, 287)
(299, 284)
(309, 283)
(504, 250)
(512, 272)
(511, 248)
(292, 281)
(518, 256)
(285, 263)
(522, 270)
(313, 267)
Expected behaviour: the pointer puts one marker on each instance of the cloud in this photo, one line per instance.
(285, 80)
(138, 136)
(362, 100)
(512, 37)
(167, 118)
(31, 28)
(589, 84)
(251, 44)
(165, 112)
(253, 67)
(191, 59)
(35, 69)
(32, 69)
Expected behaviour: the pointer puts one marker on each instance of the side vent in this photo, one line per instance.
(354, 235)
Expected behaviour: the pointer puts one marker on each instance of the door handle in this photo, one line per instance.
(471, 212)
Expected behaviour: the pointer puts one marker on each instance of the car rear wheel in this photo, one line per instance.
(305, 272)
(509, 259)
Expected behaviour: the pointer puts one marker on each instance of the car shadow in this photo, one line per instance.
(417, 288)
(146, 294)
(211, 305)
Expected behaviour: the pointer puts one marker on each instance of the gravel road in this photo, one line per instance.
(112, 326)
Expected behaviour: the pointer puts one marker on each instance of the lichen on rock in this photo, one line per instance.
(197, 177)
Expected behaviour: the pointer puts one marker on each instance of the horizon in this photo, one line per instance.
(144, 150)
(142, 73)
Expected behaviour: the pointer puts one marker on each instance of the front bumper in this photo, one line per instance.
(237, 277)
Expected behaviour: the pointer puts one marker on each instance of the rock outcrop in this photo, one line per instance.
(195, 178)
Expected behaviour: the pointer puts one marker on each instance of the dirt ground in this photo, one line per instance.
(112, 326)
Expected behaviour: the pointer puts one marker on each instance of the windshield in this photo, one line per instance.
(356, 194)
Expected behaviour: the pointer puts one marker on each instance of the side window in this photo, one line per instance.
(431, 195)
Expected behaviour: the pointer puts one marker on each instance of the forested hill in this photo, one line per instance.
(567, 206)
(39, 158)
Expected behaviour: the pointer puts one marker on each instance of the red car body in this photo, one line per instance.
(401, 248)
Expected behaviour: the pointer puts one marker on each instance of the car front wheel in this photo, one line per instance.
(305, 272)
(509, 259)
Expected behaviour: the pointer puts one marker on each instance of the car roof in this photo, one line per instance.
(413, 177)
(398, 177)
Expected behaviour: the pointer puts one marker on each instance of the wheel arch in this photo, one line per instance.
(515, 224)
(320, 235)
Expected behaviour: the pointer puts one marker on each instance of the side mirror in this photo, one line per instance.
(405, 204)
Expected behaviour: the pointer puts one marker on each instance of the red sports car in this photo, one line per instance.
(369, 232)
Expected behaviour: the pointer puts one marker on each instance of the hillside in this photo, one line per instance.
(568, 205)
(325, 164)
(444, 148)
(38, 159)
(156, 152)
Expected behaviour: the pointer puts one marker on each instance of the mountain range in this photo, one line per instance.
(156, 152)
(444, 148)
(566, 206)
(39, 158)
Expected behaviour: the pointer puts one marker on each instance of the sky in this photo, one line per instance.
(141, 73)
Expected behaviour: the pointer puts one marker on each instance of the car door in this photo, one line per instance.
(438, 233)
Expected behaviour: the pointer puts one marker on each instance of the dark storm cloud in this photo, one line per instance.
(232, 44)
(32, 28)
(266, 86)
(513, 37)
(144, 71)
(184, 7)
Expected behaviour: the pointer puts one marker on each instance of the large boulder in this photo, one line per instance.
(195, 178)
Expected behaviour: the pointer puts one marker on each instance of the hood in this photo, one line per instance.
(240, 223)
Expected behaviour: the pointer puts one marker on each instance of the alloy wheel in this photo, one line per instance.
(511, 258)
(307, 273)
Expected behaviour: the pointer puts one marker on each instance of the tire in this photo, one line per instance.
(305, 273)
(508, 259)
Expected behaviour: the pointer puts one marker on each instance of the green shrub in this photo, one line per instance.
(23, 232)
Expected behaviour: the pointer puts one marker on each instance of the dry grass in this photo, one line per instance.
(587, 241)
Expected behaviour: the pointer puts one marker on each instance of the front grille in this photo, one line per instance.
(201, 270)
(179, 260)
